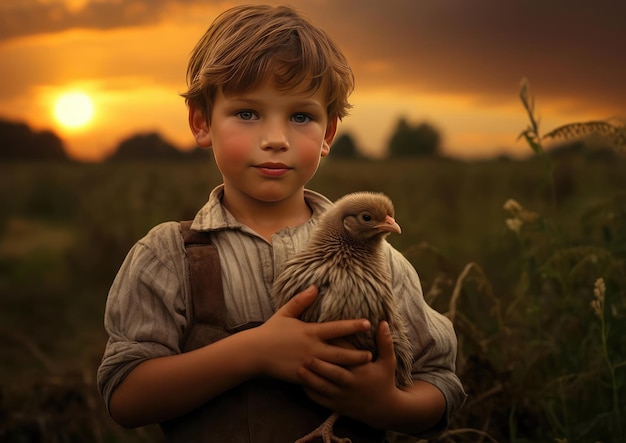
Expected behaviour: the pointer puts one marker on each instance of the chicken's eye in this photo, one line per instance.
(366, 217)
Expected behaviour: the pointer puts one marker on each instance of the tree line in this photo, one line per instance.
(407, 140)
(20, 142)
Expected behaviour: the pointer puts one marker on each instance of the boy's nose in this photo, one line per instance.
(275, 138)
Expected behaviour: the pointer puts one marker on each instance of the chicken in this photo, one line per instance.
(347, 261)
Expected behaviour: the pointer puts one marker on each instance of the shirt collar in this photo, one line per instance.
(214, 216)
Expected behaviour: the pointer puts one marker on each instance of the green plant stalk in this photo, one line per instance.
(607, 359)
(533, 138)
(563, 400)
(512, 424)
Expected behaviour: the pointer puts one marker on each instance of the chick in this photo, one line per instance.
(347, 260)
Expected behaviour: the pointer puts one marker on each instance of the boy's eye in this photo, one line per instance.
(300, 118)
(246, 115)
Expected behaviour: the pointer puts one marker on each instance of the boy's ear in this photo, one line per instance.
(331, 131)
(198, 123)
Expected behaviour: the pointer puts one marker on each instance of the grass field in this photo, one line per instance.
(539, 361)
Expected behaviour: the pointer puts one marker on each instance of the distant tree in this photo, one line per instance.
(198, 153)
(149, 146)
(414, 140)
(20, 142)
(49, 145)
(344, 147)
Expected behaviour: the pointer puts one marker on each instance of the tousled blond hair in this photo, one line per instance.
(248, 45)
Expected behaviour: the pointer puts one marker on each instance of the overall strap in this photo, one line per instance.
(205, 279)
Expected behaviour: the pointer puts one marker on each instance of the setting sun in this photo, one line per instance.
(73, 110)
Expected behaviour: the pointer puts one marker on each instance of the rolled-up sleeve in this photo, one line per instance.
(145, 313)
(432, 336)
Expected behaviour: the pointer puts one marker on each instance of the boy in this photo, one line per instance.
(266, 89)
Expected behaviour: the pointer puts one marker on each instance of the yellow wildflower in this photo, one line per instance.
(597, 304)
(514, 224)
(513, 206)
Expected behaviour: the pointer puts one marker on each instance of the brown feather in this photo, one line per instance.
(346, 260)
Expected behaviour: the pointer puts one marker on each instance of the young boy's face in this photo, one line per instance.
(268, 143)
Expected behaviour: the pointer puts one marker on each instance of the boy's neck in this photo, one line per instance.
(267, 218)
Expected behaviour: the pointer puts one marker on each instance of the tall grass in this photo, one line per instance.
(528, 261)
(544, 359)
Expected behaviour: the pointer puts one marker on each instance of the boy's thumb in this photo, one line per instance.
(385, 342)
(299, 302)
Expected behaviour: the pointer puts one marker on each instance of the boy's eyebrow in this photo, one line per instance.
(305, 102)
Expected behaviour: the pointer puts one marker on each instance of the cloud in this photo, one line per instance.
(30, 17)
(572, 50)
(566, 47)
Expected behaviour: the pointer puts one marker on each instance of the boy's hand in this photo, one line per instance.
(366, 392)
(288, 345)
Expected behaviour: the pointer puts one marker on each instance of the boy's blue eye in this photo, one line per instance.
(300, 118)
(245, 115)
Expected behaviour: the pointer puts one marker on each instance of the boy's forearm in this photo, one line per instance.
(415, 409)
(167, 387)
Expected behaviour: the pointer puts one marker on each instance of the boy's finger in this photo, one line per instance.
(342, 328)
(324, 377)
(344, 356)
(299, 302)
(385, 342)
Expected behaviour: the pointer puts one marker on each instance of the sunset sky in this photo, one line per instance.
(455, 64)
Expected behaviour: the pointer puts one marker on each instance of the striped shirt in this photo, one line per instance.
(147, 311)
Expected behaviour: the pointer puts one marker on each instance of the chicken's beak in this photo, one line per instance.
(390, 225)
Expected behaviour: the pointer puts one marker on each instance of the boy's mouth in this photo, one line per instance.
(272, 169)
